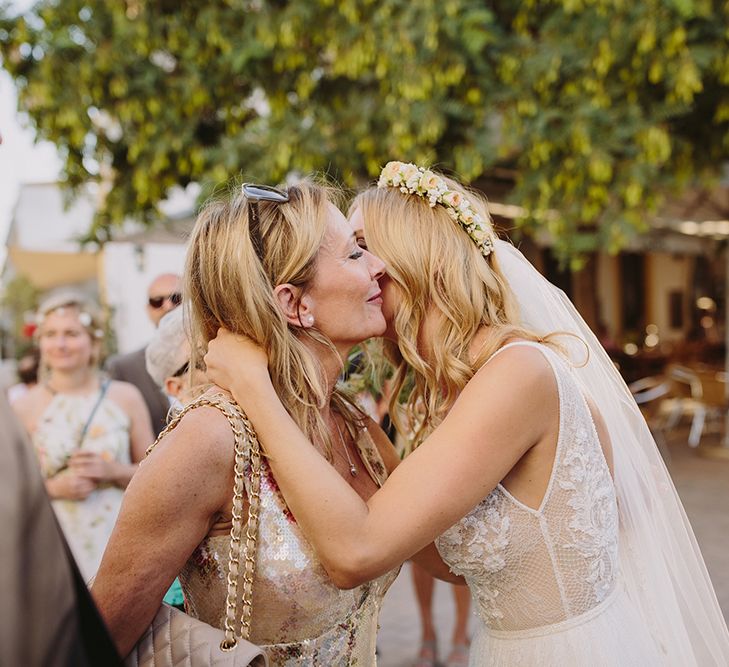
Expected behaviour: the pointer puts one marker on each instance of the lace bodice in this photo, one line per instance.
(528, 567)
(299, 616)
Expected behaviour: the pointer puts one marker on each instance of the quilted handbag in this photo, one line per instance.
(175, 639)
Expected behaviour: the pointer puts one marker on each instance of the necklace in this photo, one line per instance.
(352, 468)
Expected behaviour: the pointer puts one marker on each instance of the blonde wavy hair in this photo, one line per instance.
(227, 285)
(436, 268)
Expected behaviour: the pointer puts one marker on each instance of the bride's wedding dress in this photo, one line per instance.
(546, 580)
(606, 571)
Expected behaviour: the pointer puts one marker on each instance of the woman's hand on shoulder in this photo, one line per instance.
(234, 357)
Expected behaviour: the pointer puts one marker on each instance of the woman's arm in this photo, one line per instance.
(499, 416)
(428, 558)
(169, 507)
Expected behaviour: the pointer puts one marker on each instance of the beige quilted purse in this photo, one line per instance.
(175, 639)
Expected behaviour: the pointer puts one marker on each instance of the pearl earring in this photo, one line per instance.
(309, 320)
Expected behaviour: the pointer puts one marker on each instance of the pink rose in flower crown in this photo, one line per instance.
(452, 198)
(411, 175)
(430, 181)
(390, 170)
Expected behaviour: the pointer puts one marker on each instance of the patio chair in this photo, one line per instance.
(699, 393)
(650, 393)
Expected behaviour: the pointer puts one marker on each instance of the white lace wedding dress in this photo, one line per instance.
(546, 581)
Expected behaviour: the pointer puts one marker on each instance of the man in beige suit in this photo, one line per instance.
(47, 617)
(164, 294)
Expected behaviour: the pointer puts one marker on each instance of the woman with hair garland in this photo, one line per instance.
(284, 268)
(89, 433)
(540, 482)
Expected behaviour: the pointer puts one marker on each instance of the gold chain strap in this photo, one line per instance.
(247, 434)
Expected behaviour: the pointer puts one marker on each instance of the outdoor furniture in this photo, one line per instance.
(714, 403)
(698, 392)
(649, 393)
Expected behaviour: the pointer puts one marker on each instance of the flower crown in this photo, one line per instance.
(85, 319)
(414, 180)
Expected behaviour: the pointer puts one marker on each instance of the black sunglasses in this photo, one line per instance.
(156, 301)
(254, 194)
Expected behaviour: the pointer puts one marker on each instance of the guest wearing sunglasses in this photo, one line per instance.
(164, 294)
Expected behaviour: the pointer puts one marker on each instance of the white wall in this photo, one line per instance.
(42, 223)
(126, 275)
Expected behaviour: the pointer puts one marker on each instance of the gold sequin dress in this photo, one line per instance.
(299, 616)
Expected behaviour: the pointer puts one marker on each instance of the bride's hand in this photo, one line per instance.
(233, 357)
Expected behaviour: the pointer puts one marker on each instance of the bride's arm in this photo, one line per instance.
(429, 558)
(498, 417)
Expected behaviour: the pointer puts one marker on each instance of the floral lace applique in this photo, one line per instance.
(593, 527)
(479, 540)
(476, 546)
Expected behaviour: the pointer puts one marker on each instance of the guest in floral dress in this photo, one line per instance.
(88, 432)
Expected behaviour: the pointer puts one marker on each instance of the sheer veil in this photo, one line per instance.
(661, 565)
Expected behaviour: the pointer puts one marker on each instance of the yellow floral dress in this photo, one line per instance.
(86, 524)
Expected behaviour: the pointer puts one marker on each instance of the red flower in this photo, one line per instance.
(29, 329)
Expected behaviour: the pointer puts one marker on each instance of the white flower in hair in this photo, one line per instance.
(413, 180)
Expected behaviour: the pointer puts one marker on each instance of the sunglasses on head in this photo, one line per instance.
(257, 193)
(156, 301)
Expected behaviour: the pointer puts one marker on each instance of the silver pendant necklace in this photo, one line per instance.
(352, 468)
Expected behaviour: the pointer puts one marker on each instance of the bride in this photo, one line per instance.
(540, 481)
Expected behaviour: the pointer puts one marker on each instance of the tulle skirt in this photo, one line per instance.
(610, 635)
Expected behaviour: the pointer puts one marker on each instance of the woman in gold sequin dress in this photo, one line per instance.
(540, 481)
(291, 275)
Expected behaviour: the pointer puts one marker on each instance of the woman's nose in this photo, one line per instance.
(377, 266)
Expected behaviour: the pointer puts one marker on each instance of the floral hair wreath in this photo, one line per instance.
(414, 180)
(85, 319)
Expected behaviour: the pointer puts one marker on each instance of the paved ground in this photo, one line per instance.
(703, 484)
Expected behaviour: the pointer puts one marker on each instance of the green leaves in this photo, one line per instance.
(599, 106)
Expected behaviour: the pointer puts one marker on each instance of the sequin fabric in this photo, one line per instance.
(299, 616)
(530, 568)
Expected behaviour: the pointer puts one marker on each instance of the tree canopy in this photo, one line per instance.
(596, 107)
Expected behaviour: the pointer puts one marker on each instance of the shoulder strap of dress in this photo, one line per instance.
(225, 404)
(102, 392)
(549, 354)
(529, 343)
